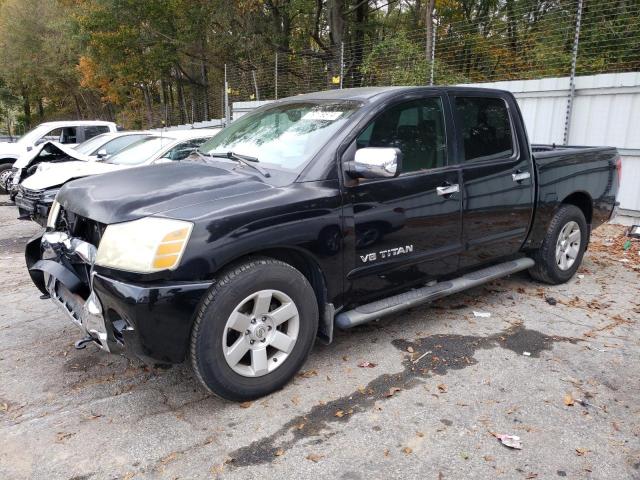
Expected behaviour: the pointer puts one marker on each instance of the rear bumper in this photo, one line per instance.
(151, 321)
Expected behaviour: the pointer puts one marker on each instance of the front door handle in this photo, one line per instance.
(520, 176)
(448, 189)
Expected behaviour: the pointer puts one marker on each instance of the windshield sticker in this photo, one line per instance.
(319, 115)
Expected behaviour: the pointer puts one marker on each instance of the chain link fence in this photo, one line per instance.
(518, 41)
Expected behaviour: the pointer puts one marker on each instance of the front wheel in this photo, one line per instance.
(254, 329)
(5, 176)
(560, 255)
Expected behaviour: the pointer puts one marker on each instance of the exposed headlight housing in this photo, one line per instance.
(53, 214)
(147, 245)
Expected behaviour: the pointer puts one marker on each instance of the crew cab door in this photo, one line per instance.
(497, 175)
(407, 229)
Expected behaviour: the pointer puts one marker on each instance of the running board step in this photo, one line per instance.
(397, 303)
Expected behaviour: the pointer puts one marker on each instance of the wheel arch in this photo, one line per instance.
(583, 201)
(7, 160)
(305, 263)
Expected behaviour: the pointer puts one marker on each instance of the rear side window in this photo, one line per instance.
(90, 132)
(485, 128)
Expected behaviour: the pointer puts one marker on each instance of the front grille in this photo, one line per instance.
(83, 228)
(32, 195)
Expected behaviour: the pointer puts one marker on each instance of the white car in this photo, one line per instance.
(95, 149)
(68, 133)
(37, 192)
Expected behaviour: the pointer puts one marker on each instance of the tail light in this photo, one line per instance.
(619, 169)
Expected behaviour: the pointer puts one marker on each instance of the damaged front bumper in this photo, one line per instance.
(152, 321)
(34, 204)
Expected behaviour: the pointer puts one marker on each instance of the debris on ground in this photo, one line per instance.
(421, 357)
(366, 365)
(568, 400)
(511, 441)
(526, 354)
(481, 314)
(551, 300)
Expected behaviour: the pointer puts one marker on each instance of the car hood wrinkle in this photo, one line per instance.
(140, 192)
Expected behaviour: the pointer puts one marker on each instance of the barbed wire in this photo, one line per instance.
(501, 45)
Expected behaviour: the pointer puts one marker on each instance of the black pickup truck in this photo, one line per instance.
(321, 210)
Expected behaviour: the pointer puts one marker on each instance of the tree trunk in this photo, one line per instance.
(362, 12)
(512, 31)
(335, 17)
(148, 103)
(26, 108)
(429, 24)
(40, 110)
(204, 78)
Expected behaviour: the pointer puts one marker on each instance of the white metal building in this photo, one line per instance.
(606, 111)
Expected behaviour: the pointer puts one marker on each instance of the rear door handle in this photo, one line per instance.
(448, 189)
(520, 176)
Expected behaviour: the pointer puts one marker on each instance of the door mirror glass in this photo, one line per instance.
(40, 141)
(373, 162)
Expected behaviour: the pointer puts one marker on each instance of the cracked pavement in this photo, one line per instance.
(557, 366)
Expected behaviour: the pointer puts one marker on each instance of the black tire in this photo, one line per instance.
(546, 268)
(3, 171)
(231, 287)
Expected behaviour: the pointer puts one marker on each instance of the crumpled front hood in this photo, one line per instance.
(54, 148)
(139, 192)
(52, 175)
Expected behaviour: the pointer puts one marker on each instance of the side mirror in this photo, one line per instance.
(372, 162)
(102, 153)
(40, 141)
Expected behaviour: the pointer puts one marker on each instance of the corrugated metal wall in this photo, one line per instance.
(606, 111)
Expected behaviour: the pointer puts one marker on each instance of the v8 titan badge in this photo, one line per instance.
(388, 253)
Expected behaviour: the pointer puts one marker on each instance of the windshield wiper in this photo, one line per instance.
(244, 159)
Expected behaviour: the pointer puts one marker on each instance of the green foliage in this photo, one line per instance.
(145, 63)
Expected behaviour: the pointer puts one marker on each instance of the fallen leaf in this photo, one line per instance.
(392, 391)
(386, 452)
(568, 400)
(279, 452)
(464, 455)
(531, 475)
(582, 451)
(420, 434)
(295, 400)
(314, 457)
(410, 349)
(407, 450)
(245, 404)
(366, 365)
(442, 387)
(308, 373)
(489, 458)
(511, 441)
(339, 414)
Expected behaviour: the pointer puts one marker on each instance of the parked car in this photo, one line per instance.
(36, 192)
(67, 133)
(99, 147)
(239, 258)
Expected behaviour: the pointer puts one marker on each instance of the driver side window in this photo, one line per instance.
(416, 127)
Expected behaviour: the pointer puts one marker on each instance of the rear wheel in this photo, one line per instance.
(254, 329)
(560, 255)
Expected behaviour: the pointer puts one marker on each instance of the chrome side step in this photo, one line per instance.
(371, 311)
